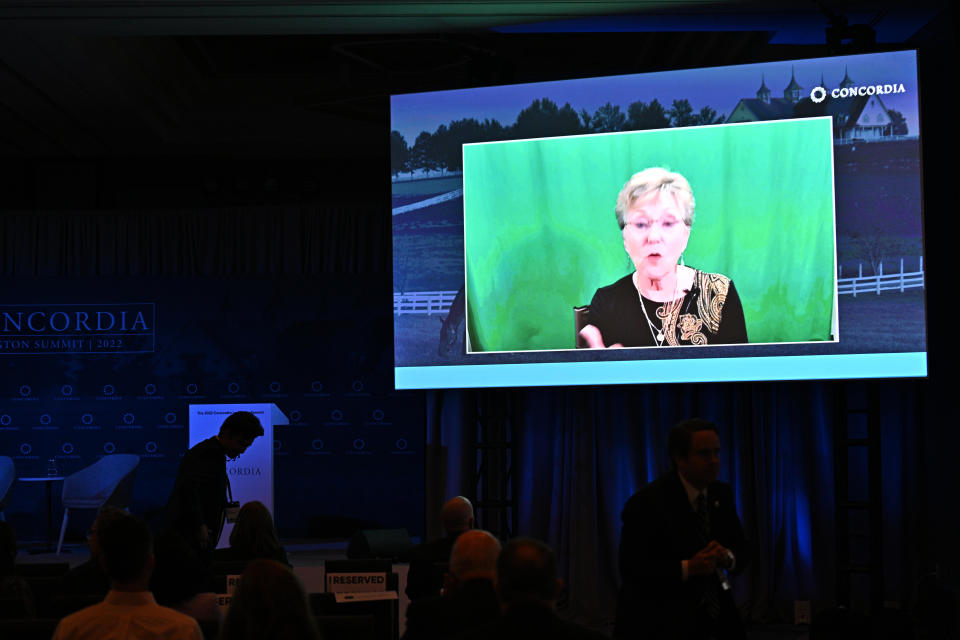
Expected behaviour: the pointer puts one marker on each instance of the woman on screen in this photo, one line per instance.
(663, 302)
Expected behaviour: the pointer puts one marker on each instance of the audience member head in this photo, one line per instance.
(105, 516)
(254, 533)
(126, 553)
(457, 515)
(694, 448)
(238, 432)
(474, 556)
(269, 602)
(8, 548)
(179, 574)
(527, 572)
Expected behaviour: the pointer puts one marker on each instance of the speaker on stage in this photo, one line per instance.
(380, 543)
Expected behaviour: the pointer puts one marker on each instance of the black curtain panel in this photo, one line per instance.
(259, 241)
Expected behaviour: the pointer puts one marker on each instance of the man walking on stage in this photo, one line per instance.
(681, 535)
(202, 490)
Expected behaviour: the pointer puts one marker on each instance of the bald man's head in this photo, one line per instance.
(457, 515)
(474, 556)
(527, 570)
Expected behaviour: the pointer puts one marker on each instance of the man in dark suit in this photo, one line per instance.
(428, 561)
(681, 536)
(528, 585)
(200, 494)
(468, 599)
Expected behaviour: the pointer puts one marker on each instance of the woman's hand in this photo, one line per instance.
(594, 340)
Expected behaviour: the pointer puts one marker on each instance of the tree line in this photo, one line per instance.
(441, 150)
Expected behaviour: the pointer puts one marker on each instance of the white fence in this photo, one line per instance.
(428, 302)
(438, 302)
(899, 281)
(429, 202)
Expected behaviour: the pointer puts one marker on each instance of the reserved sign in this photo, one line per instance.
(356, 582)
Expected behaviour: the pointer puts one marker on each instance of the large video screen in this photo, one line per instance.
(752, 222)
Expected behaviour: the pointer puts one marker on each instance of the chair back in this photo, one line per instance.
(107, 481)
(581, 318)
(14, 608)
(33, 629)
(7, 475)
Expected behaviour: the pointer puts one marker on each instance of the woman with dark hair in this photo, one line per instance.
(269, 604)
(253, 536)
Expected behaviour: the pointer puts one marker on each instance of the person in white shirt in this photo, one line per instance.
(129, 610)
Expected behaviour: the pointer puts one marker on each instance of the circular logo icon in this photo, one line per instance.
(25, 390)
(67, 448)
(274, 387)
(108, 390)
(818, 94)
(378, 414)
(25, 448)
(150, 388)
(357, 385)
(87, 418)
(66, 390)
(109, 447)
(295, 415)
(45, 418)
(5, 419)
(359, 444)
(336, 415)
(317, 444)
(233, 387)
(150, 447)
(170, 417)
(401, 444)
(277, 445)
(316, 386)
(192, 388)
(128, 418)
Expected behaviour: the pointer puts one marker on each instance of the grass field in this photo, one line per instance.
(891, 322)
(416, 338)
(428, 262)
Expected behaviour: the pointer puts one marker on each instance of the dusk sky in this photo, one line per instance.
(718, 87)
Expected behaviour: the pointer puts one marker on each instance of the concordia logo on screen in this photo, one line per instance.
(77, 328)
(819, 94)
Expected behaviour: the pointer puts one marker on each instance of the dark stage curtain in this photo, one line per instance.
(582, 452)
(251, 241)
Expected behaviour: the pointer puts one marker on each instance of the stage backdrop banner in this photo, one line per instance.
(250, 476)
(319, 348)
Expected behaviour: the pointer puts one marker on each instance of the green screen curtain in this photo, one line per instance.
(541, 235)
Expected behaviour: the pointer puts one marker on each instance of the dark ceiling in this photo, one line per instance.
(82, 79)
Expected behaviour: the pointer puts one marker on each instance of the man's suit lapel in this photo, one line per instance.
(685, 514)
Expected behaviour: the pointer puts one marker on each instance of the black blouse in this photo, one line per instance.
(710, 313)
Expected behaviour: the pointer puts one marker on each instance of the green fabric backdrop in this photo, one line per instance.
(541, 235)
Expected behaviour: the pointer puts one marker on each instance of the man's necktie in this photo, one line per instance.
(711, 592)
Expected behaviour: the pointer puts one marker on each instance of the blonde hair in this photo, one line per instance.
(653, 179)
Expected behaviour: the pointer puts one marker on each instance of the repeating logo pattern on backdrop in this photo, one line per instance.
(348, 428)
